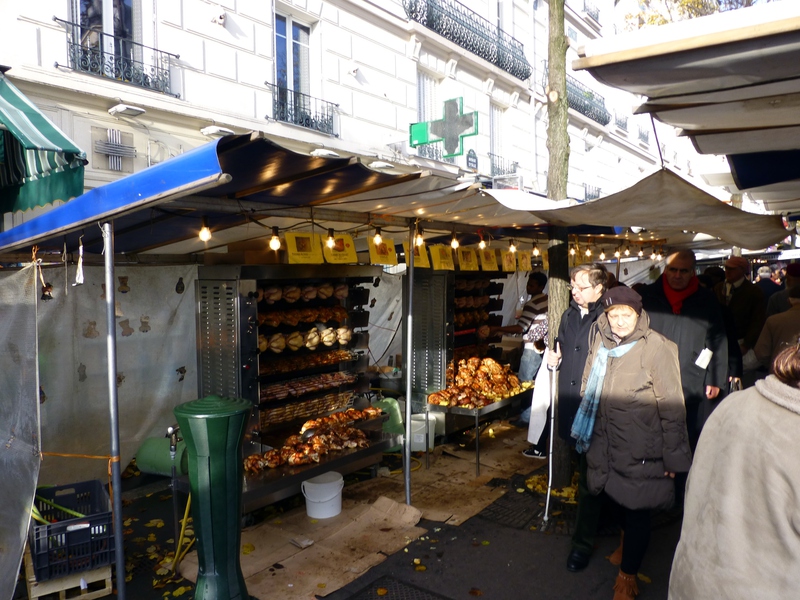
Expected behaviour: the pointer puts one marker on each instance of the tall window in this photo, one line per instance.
(429, 109)
(117, 38)
(292, 75)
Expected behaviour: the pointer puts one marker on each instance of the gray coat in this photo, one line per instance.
(640, 430)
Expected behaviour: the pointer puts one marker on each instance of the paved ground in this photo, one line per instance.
(501, 553)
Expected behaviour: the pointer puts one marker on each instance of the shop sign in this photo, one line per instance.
(342, 252)
(452, 129)
(382, 254)
(489, 259)
(442, 257)
(467, 259)
(420, 256)
(304, 248)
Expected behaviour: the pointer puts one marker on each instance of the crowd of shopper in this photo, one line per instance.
(639, 373)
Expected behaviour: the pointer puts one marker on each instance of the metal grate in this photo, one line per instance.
(392, 589)
(217, 331)
(430, 343)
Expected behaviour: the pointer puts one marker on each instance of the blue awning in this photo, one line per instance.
(39, 164)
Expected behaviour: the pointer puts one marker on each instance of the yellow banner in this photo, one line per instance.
(420, 256)
(509, 260)
(442, 257)
(467, 259)
(303, 248)
(524, 260)
(343, 251)
(488, 259)
(382, 254)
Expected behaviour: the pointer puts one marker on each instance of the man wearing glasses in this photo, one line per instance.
(688, 314)
(588, 284)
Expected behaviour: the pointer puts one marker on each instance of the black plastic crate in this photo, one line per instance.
(70, 544)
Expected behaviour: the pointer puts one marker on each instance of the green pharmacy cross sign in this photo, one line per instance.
(452, 129)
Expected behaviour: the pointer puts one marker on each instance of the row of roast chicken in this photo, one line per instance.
(472, 284)
(471, 301)
(319, 314)
(478, 382)
(305, 385)
(306, 293)
(300, 362)
(278, 342)
(330, 434)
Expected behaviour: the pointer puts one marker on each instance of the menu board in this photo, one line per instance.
(303, 248)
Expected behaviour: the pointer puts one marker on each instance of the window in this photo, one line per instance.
(94, 39)
(499, 164)
(292, 75)
(429, 109)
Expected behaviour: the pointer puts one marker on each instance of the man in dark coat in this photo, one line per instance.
(569, 357)
(688, 314)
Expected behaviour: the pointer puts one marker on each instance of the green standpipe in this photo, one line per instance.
(212, 428)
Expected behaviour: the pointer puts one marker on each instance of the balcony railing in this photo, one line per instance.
(587, 101)
(621, 121)
(591, 10)
(301, 109)
(464, 27)
(590, 192)
(130, 62)
(502, 166)
(434, 152)
(644, 135)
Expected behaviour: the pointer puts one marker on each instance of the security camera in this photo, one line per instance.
(219, 19)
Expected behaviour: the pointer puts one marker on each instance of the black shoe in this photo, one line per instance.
(577, 560)
(532, 452)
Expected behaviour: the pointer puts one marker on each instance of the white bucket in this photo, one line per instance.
(323, 495)
(418, 432)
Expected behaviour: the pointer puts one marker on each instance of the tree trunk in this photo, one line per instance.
(557, 173)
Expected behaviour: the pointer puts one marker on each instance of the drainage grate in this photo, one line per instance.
(392, 589)
(513, 509)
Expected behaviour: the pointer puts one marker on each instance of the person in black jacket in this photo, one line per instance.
(569, 357)
(688, 314)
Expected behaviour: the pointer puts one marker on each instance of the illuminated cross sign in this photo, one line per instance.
(452, 129)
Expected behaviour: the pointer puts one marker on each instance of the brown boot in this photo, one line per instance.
(625, 587)
(615, 558)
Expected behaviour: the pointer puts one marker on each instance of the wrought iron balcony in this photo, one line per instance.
(644, 135)
(468, 29)
(591, 10)
(590, 192)
(502, 166)
(587, 101)
(301, 109)
(129, 62)
(621, 121)
(434, 152)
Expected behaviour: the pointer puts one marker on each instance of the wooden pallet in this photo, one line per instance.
(97, 583)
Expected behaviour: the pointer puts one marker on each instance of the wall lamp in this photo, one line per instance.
(126, 110)
(216, 131)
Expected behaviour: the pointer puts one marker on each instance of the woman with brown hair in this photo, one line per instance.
(741, 524)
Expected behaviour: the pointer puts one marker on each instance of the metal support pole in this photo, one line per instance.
(113, 407)
(408, 359)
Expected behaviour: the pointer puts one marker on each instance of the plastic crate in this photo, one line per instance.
(70, 544)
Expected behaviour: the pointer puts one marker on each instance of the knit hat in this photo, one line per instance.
(738, 262)
(622, 295)
(764, 272)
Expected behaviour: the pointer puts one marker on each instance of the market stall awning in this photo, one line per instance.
(729, 81)
(225, 172)
(668, 207)
(38, 163)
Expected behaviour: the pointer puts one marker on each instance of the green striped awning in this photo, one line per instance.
(38, 163)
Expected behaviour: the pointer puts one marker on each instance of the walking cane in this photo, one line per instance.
(553, 383)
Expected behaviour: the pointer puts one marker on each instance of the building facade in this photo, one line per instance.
(134, 82)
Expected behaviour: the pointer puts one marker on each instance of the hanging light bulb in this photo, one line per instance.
(627, 250)
(617, 253)
(482, 243)
(602, 254)
(330, 242)
(454, 241)
(536, 250)
(573, 250)
(511, 246)
(588, 252)
(205, 232)
(275, 241)
(640, 253)
(660, 254)
(419, 240)
(653, 254)
(377, 239)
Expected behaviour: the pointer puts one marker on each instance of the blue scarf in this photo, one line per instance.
(583, 425)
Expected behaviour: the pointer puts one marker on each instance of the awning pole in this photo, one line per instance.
(408, 359)
(113, 407)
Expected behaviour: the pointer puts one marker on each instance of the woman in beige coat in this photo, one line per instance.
(741, 526)
(631, 422)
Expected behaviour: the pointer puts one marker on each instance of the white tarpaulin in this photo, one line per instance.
(156, 363)
(668, 205)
